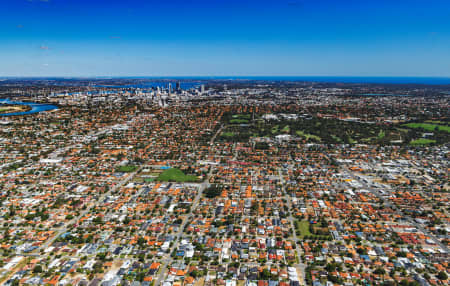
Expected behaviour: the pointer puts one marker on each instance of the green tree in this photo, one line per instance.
(37, 269)
(442, 275)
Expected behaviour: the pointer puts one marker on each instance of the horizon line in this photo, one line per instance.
(226, 76)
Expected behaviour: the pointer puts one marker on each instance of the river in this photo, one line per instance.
(35, 107)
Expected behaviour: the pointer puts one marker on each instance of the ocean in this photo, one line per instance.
(344, 79)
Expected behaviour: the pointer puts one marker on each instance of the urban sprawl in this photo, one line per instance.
(222, 182)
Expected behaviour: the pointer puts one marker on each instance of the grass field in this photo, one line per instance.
(176, 175)
(274, 129)
(242, 116)
(238, 121)
(127, 168)
(381, 134)
(422, 141)
(228, 134)
(307, 136)
(286, 129)
(352, 141)
(436, 122)
(339, 140)
(303, 227)
(429, 127)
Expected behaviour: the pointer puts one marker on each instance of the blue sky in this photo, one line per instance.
(225, 38)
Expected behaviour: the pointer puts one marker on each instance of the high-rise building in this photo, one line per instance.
(202, 89)
(178, 86)
(170, 88)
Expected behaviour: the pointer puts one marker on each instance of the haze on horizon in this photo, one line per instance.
(225, 38)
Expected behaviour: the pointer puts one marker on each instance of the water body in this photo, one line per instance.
(384, 94)
(188, 82)
(35, 107)
(149, 85)
(344, 79)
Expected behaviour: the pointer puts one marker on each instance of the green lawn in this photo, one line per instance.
(238, 121)
(352, 141)
(228, 134)
(429, 127)
(303, 227)
(286, 129)
(126, 168)
(274, 129)
(339, 140)
(307, 136)
(422, 141)
(176, 175)
(242, 116)
(435, 122)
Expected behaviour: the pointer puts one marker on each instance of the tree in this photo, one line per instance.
(141, 241)
(97, 220)
(37, 269)
(442, 276)
(265, 274)
(213, 191)
(330, 267)
(195, 273)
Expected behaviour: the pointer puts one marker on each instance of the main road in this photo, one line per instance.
(167, 259)
(288, 199)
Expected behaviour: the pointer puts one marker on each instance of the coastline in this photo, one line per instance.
(5, 109)
(24, 108)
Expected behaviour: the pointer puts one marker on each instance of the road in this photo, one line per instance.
(396, 209)
(93, 135)
(55, 154)
(288, 199)
(167, 259)
(64, 229)
(215, 135)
